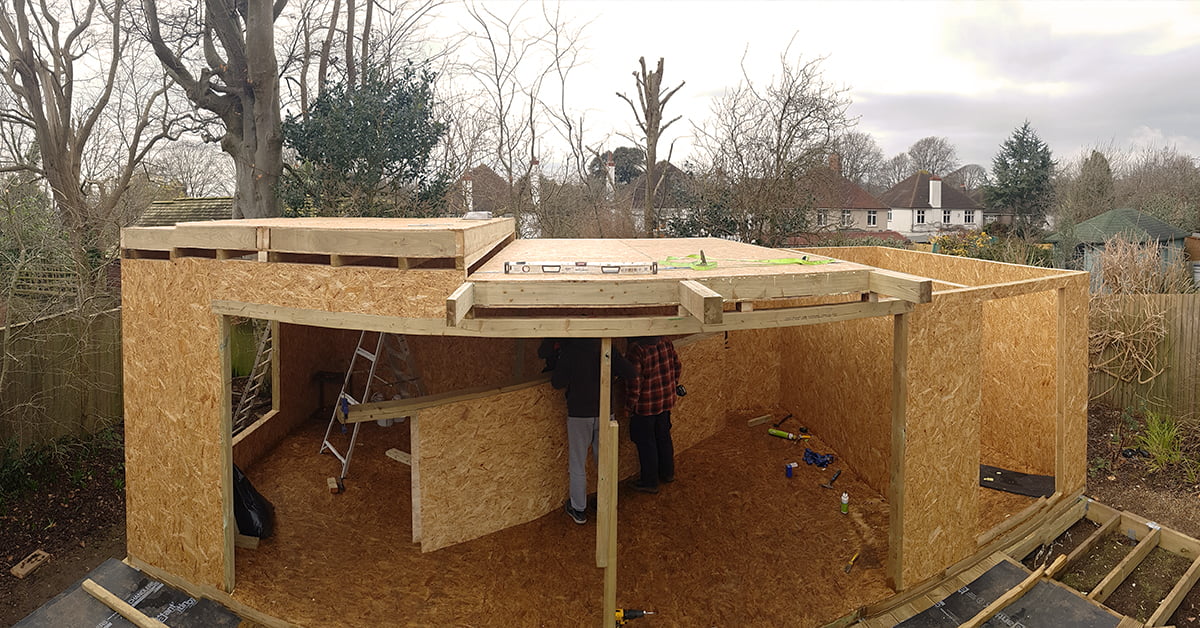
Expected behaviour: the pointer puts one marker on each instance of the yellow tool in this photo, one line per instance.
(850, 564)
(626, 614)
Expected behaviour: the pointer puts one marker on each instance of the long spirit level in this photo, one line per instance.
(581, 268)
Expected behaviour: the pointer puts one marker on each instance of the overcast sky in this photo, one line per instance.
(1084, 73)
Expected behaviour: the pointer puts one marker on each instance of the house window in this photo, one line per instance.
(969, 217)
(889, 216)
(847, 220)
(822, 218)
(872, 220)
(946, 216)
(920, 216)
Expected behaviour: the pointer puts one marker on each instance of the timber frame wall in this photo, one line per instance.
(909, 364)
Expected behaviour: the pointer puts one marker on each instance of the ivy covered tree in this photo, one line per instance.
(628, 162)
(1021, 178)
(364, 149)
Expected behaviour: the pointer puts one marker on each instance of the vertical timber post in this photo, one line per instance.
(606, 510)
(895, 558)
(225, 405)
(1061, 367)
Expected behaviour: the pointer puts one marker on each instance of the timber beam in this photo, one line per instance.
(901, 286)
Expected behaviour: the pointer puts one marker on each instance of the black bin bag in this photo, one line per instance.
(254, 514)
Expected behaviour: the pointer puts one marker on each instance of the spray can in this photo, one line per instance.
(845, 503)
(787, 468)
(788, 435)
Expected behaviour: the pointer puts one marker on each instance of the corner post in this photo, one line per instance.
(226, 458)
(895, 557)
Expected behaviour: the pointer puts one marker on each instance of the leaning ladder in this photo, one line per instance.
(396, 358)
(258, 377)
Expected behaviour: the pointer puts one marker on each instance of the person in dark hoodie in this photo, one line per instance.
(578, 371)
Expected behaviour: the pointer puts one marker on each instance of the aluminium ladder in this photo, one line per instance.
(258, 376)
(390, 350)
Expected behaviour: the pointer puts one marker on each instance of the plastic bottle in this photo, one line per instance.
(845, 503)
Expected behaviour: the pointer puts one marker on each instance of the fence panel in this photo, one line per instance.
(59, 376)
(1177, 387)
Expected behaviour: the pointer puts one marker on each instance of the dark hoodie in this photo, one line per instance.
(578, 370)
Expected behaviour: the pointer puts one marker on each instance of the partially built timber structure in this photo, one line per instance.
(914, 367)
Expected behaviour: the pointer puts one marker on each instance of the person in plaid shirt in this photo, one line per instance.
(651, 395)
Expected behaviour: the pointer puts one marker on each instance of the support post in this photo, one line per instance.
(606, 510)
(895, 559)
(1061, 367)
(225, 424)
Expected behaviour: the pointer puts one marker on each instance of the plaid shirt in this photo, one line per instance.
(653, 391)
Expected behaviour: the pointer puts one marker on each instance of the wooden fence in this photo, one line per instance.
(1176, 386)
(59, 376)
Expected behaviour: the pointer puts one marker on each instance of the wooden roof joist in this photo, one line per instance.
(615, 327)
(702, 297)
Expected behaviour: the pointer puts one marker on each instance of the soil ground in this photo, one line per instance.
(76, 512)
(69, 501)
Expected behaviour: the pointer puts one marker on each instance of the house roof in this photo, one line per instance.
(913, 193)
(167, 213)
(1129, 223)
(489, 191)
(817, 239)
(671, 177)
(834, 191)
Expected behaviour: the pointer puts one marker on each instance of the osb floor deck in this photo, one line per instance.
(731, 542)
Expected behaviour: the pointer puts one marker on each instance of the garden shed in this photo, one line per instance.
(913, 368)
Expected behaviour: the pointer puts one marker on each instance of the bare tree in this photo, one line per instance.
(761, 142)
(970, 178)
(934, 154)
(516, 58)
(892, 171)
(197, 168)
(652, 100)
(65, 63)
(858, 156)
(1163, 183)
(237, 80)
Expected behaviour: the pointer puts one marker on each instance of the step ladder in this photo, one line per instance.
(389, 369)
(258, 377)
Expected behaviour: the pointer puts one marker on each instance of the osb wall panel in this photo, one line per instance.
(448, 363)
(941, 460)
(491, 463)
(1074, 474)
(173, 388)
(837, 379)
(1020, 382)
(363, 290)
(753, 373)
(962, 270)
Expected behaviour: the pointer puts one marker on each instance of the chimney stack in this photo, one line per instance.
(610, 184)
(935, 192)
(535, 182)
(468, 192)
(835, 162)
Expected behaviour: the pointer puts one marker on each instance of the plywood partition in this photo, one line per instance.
(1019, 363)
(1071, 468)
(836, 378)
(173, 441)
(491, 463)
(940, 470)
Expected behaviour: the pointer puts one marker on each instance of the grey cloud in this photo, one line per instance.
(1111, 94)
